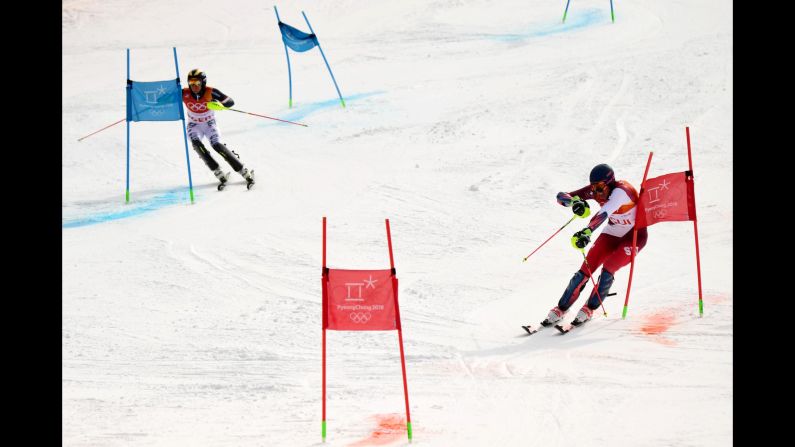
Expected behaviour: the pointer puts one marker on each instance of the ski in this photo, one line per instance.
(562, 329)
(568, 327)
(249, 185)
(532, 329)
(222, 186)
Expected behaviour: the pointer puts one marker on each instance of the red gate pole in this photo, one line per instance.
(695, 227)
(324, 282)
(399, 329)
(635, 235)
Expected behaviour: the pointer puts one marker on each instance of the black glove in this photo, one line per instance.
(580, 208)
(581, 238)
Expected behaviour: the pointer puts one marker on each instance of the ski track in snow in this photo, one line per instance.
(576, 21)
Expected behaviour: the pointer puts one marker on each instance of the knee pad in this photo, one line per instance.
(204, 154)
(605, 282)
(221, 148)
(576, 284)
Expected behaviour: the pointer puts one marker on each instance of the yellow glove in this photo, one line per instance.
(581, 238)
(215, 105)
(580, 207)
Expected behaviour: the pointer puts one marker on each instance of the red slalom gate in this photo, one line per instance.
(667, 198)
(362, 300)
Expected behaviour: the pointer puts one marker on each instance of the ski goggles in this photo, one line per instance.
(599, 187)
(196, 82)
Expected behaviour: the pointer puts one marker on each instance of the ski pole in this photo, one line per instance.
(263, 116)
(214, 105)
(564, 226)
(595, 286)
(218, 106)
(100, 130)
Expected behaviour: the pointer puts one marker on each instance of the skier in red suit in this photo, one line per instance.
(611, 250)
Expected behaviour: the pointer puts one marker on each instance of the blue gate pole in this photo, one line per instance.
(127, 189)
(324, 59)
(612, 16)
(286, 53)
(184, 130)
(567, 10)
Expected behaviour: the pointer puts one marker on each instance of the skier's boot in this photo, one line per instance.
(583, 315)
(222, 177)
(554, 316)
(247, 174)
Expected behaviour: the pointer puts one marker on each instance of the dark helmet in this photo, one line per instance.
(197, 74)
(603, 173)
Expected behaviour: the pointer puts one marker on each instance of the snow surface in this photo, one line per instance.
(200, 325)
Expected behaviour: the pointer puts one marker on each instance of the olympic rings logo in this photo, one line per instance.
(360, 317)
(197, 107)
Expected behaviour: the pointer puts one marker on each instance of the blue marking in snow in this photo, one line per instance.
(121, 210)
(301, 111)
(577, 20)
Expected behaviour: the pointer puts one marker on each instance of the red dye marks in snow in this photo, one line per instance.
(389, 428)
(715, 299)
(657, 323)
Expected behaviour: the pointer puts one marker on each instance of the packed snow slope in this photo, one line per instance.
(200, 324)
